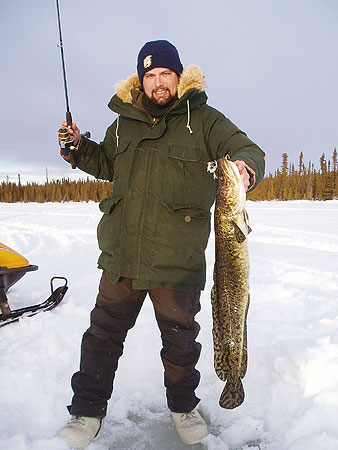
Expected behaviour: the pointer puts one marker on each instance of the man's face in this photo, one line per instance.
(160, 85)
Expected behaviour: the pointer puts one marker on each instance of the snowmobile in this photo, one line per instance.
(14, 266)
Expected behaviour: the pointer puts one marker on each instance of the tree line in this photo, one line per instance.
(287, 183)
(300, 183)
(62, 190)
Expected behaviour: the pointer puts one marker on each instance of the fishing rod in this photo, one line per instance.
(68, 113)
(65, 139)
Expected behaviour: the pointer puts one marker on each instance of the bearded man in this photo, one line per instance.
(154, 230)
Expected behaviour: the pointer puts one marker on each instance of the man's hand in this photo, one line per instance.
(244, 174)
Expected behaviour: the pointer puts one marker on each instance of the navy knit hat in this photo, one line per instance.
(158, 54)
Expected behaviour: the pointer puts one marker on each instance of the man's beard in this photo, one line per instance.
(155, 108)
(162, 101)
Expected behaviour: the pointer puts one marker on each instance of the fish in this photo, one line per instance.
(230, 292)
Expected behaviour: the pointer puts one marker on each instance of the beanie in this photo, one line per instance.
(158, 54)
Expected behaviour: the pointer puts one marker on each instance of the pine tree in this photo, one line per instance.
(335, 172)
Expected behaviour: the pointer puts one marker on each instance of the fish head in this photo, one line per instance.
(230, 185)
(227, 171)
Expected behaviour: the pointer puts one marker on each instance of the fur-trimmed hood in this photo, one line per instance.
(191, 78)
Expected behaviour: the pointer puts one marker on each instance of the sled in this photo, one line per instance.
(14, 266)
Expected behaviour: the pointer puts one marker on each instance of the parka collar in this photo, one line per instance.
(190, 93)
(191, 78)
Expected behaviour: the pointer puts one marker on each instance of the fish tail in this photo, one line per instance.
(232, 395)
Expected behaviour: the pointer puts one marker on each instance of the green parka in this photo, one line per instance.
(156, 225)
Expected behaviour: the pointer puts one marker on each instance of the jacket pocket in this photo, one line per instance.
(108, 204)
(183, 165)
(109, 227)
(182, 237)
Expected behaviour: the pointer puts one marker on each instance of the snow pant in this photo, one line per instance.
(115, 312)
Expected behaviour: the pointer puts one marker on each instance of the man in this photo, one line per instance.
(154, 230)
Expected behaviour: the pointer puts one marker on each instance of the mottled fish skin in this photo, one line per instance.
(230, 293)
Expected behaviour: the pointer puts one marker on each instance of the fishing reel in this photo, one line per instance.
(67, 147)
(65, 141)
(66, 144)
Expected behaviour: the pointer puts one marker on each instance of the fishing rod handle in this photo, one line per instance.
(69, 119)
(71, 152)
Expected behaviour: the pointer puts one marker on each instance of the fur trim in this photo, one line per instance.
(123, 88)
(191, 78)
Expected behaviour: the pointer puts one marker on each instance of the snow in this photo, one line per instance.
(292, 381)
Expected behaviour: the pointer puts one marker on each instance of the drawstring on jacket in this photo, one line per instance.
(117, 129)
(188, 121)
(118, 122)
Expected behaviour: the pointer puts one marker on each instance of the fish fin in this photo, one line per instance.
(232, 395)
(240, 234)
(246, 220)
(244, 364)
(241, 226)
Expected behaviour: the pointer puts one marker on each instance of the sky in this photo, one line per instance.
(270, 66)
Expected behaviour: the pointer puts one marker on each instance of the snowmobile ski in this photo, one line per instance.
(53, 300)
(14, 266)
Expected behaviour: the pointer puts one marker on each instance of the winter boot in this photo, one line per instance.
(190, 426)
(80, 431)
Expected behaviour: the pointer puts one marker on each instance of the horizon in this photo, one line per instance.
(39, 174)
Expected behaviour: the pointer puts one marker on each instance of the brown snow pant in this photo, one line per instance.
(115, 312)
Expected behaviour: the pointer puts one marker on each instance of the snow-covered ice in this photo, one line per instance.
(292, 380)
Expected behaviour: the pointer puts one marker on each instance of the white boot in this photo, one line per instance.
(79, 432)
(190, 426)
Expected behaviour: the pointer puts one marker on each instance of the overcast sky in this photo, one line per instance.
(270, 66)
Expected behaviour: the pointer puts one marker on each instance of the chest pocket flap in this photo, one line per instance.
(183, 165)
(185, 152)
